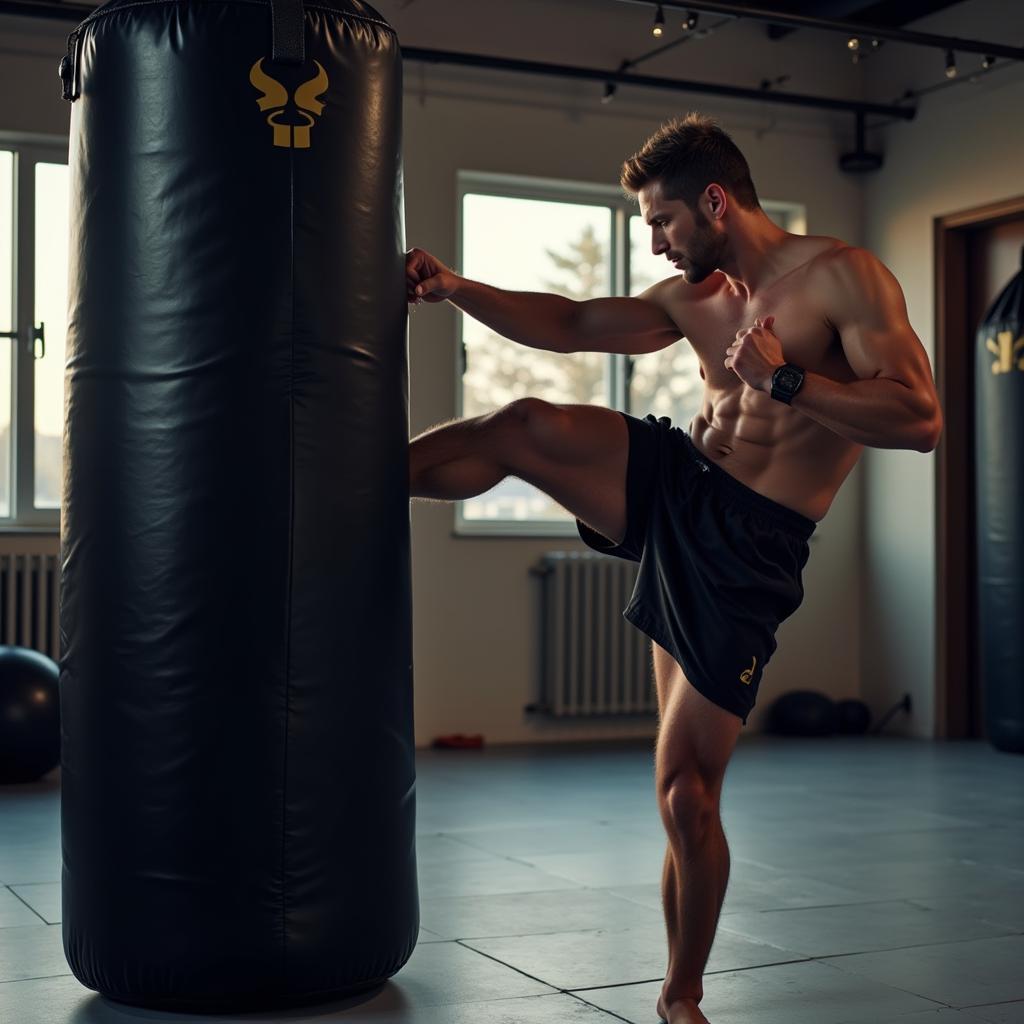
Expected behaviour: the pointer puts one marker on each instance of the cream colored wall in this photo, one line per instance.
(475, 646)
(964, 149)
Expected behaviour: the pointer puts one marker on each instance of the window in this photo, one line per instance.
(34, 230)
(581, 241)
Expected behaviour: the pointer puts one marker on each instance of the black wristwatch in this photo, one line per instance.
(786, 382)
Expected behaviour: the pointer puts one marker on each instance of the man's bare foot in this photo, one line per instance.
(682, 1011)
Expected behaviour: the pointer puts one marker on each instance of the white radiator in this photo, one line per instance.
(30, 602)
(592, 661)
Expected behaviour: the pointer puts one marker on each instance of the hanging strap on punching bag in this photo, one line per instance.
(68, 67)
(288, 46)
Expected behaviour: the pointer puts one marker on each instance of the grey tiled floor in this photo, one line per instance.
(873, 881)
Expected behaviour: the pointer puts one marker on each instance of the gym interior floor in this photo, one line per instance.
(874, 880)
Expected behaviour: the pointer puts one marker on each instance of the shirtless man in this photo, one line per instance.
(806, 356)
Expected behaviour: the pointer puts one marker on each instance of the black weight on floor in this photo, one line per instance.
(803, 713)
(236, 683)
(853, 717)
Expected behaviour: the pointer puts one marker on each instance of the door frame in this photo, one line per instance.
(954, 364)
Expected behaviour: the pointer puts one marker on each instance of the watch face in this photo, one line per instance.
(787, 379)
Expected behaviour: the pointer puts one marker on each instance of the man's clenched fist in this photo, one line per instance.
(427, 279)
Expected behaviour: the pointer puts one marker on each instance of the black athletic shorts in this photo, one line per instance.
(720, 564)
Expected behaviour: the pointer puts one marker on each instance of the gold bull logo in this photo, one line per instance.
(275, 99)
(747, 675)
(1007, 350)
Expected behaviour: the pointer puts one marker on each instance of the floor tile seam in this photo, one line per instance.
(517, 892)
(468, 860)
(658, 922)
(511, 967)
(919, 945)
(471, 846)
(42, 977)
(727, 970)
(822, 906)
(583, 852)
(824, 960)
(853, 831)
(600, 1009)
(887, 949)
(502, 895)
(1002, 1002)
(896, 988)
(543, 871)
(605, 988)
(576, 888)
(30, 907)
(917, 894)
(629, 899)
(1004, 931)
(762, 967)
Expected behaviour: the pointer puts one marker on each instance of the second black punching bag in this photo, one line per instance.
(999, 469)
(238, 806)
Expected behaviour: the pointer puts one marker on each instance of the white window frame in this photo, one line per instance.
(29, 150)
(791, 215)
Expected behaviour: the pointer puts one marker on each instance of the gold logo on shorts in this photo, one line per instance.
(747, 674)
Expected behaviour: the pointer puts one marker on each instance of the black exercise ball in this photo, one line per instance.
(29, 714)
(854, 717)
(803, 713)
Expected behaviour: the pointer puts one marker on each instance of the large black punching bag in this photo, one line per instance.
(999, 468)
(238, 806)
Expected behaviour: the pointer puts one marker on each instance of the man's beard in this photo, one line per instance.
(705, 251)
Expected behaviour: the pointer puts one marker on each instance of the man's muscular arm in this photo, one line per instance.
(545, 321)
(893, 403)
(875, 413)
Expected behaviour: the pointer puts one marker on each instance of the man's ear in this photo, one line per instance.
(716, 201)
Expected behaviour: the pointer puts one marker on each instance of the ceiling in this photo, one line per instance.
(608, 34)
(886, 14)
(890, 13)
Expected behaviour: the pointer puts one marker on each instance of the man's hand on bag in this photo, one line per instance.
(427, 279)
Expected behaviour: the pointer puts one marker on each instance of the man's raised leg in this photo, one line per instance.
(456, 460)
(576, 454)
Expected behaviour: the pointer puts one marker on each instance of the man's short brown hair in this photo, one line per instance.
(686, 155)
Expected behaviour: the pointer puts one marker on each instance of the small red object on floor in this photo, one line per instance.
(457, 741)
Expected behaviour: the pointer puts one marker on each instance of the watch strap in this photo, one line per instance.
(782, 394)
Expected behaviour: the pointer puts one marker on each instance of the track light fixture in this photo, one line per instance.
(859, 48)
(659, 23)
(950, 64)
(987, 61)
(690, 22)
(609, 92)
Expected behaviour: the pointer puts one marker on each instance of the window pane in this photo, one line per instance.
(539, 246)
(790, 217)
(666, 383)
(6, 322)
(51, 299)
